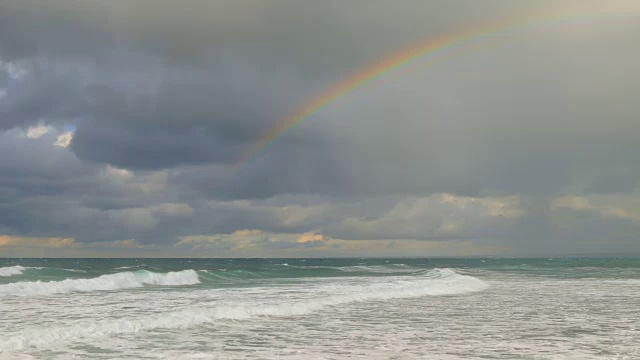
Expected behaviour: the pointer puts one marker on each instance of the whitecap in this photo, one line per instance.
(12, 270)
(122, 280)
(434, 283)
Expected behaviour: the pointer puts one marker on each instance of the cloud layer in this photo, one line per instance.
(129, 125)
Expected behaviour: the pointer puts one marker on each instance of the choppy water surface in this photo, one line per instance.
(319, 308)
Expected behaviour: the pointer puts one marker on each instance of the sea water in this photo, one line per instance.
(320, 308)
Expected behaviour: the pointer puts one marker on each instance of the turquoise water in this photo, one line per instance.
(455, 308)
(246, 269)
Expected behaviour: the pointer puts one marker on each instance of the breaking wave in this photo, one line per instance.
(435, 282)
(122, 280)
(384, 269)
(375, 269)
(12, 270)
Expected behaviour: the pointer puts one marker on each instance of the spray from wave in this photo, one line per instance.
(123, 280)
(12, 270)
(382, 269)
(434, 283)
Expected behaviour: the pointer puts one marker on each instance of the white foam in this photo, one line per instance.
(123, 280)
(383, 269)
(12, 270)
(72, 270)
(436, 282)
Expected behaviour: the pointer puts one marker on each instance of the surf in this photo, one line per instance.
(117, 281)
(12, 270)
(437, 282)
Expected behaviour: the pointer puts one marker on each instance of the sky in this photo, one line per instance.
(133, 129)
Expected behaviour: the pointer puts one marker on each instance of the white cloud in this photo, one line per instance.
(36, 132)
(64, 140)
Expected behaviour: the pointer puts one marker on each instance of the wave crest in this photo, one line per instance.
(123, 280)
(435, 282)
(12, 270)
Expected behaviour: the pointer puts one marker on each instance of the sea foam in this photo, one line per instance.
(12, 270)
(122, 280)
(435, 282)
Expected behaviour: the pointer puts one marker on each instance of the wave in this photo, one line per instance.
(228, 276)
(384, 269)
(12, 270)
(71, 270)
(19, 270)
(123, 280)
(435, 282)
(381, 269)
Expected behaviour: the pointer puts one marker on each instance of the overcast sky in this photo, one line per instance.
(123, 126)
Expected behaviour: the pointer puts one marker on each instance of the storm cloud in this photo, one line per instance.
(135, 123)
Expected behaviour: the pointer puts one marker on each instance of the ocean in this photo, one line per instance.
(399, 308)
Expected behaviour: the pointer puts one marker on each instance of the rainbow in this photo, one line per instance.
(428, 47)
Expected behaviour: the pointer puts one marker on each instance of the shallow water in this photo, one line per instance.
(319, 308)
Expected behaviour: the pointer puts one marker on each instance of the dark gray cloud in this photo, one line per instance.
(437, 130)
(156, 117)
(324, 33)
(164, 101)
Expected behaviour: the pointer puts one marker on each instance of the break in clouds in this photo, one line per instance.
(124, 129)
